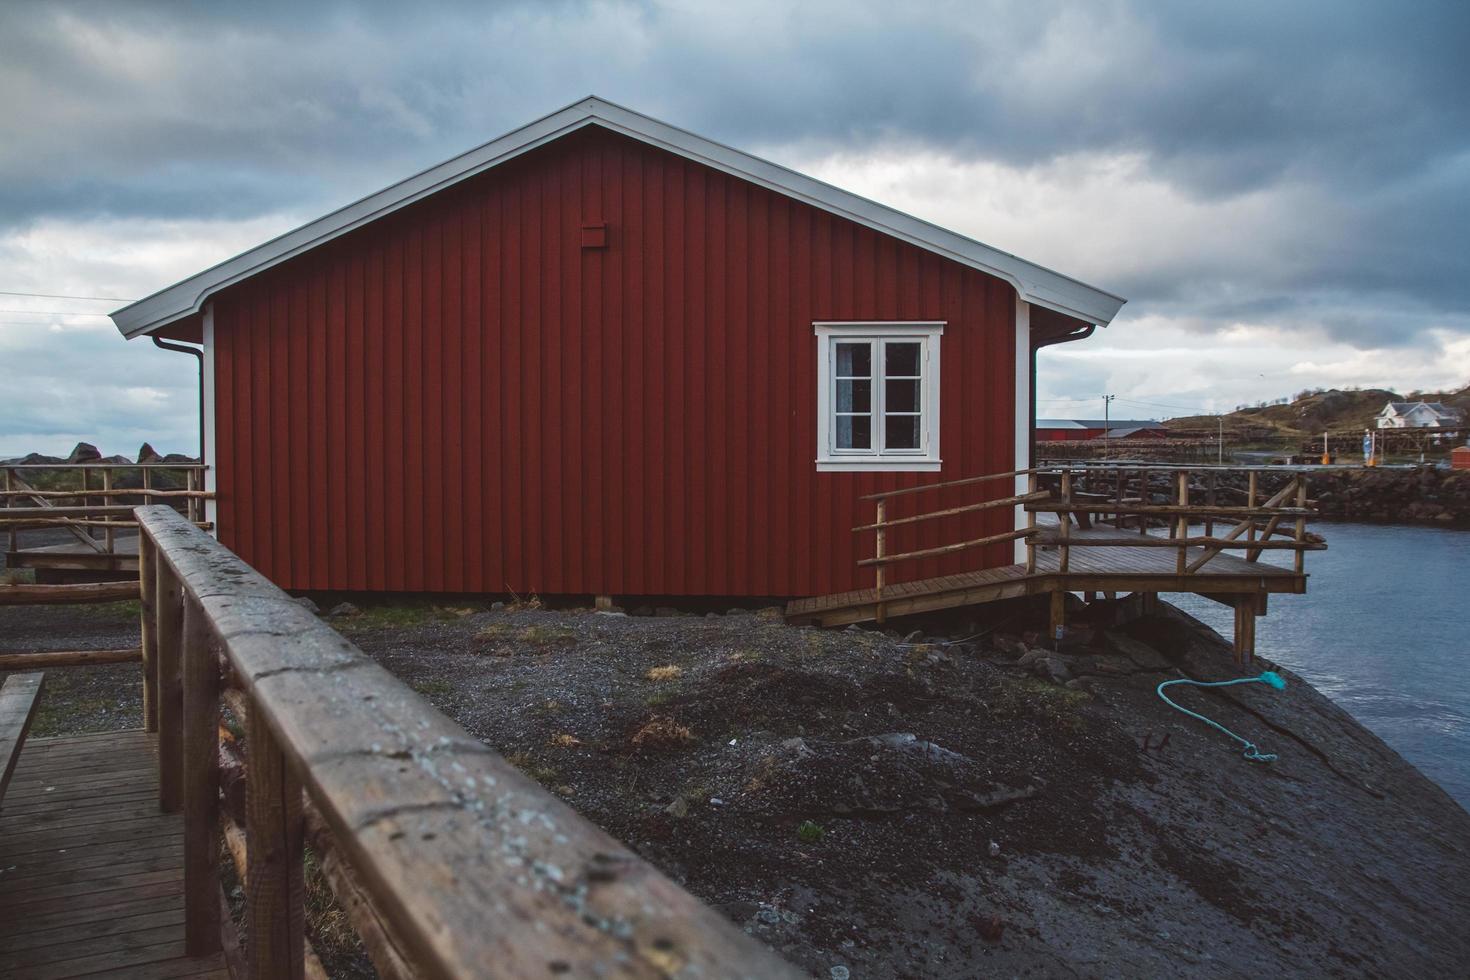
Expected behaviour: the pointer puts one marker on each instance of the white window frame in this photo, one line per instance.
(926, 458)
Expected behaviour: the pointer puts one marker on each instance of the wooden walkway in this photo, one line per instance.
(1089, 569)
(91, 873)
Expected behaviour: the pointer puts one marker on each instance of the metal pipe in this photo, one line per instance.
(198, 353)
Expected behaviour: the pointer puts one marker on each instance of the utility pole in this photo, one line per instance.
(1107, 422)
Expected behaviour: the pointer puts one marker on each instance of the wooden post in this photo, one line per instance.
(190, 483)
(201, 786)
(1031, 485)
(8, 488)
(1301, 523)
(1245, 629)
(1250, 501)
(602, 603)
(1182, 528)
(878, 552)
(1057, 620)
(109, 536)
(1064, 527)
(147, 588)
(168, 636)
(1210, 501)
(274, 886)
(1143, 499)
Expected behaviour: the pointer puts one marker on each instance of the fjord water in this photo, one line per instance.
(1384, 630)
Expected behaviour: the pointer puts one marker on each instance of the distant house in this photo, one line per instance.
(604, 355)
(1072, 430)
(1418, 415)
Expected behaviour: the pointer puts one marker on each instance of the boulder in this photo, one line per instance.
(147, 454)
(84, 452)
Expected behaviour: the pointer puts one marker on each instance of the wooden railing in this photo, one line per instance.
(1123, 494)
(448, 861)
(84, 499)
(882, 524)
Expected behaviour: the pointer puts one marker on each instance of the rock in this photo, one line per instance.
(1145, 656)
(1009, 645)
(305, 602)
(711, 615)
(180, 458)
(147, 454)
(1032, 655)
(839, 973)
(666, 611)
(497, 606)
(678, 808)
(641, 611)
(84, 452)
(344, 609)
(1053, 669)
(734, 612)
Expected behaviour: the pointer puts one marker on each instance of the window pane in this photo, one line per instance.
(901, 359)
(854, 396)
(901, 432)
(854, 360)
(901, 396)
(854, 432)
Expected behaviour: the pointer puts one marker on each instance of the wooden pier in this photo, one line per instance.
(268, 732)
(93, 871)
(1100, 528)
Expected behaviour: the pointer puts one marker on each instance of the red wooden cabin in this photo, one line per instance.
(603, 355)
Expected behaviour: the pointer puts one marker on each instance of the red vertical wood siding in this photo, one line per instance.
(461, 398)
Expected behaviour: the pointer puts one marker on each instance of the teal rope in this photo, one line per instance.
(1266, 677)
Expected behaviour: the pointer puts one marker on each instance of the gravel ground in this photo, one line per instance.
(942, 809)
(79, 699)
(930, 806)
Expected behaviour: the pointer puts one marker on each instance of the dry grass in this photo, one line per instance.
(660, 732)
(562, 740)
(669, 672)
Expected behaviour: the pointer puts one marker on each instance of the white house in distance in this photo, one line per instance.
(1418, 415)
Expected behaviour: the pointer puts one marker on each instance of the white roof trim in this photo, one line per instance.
(1034, 283)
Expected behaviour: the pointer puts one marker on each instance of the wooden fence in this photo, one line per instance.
(84, 498)
(448, 861)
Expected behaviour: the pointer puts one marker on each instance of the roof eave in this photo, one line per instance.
(1033, 283)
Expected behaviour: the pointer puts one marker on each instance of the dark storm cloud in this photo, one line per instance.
(232, 111)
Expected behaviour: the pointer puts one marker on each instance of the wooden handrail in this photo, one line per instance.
(949, 548)
(1176, 542)
(478, 870)
(950, 512)
(941, 486)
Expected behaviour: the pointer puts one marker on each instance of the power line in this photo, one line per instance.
(103, 299)
(54, 312)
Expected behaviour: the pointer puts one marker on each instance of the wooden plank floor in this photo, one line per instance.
(91, 873)
(1145, 566)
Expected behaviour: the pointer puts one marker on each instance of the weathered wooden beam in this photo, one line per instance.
(18, 699)
(274, 887)
(45, 659)
(29, 595)
(968, 508)
(200, 785)
(168, 630)
(147, 638)
(458, 849)
(949, 548)
(1197, 542)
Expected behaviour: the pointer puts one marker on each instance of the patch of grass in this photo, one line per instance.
(1030, 697)
(810, 832)
(660, 732)
(542, 637)
(18, 576)
(543, 773)
(551, 706)
(669, 672)
(563, 740)
(432, 686)
(392, 616)
(658, 698)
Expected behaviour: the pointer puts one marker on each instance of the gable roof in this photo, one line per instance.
(1034, 283)
(1439, 409)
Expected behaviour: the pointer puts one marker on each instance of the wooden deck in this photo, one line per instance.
(1089, 569)
(91, 873)
(74, 556)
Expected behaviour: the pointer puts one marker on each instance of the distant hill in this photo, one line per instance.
(1315, 412)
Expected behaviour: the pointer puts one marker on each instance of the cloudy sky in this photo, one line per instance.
(1281, 190)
